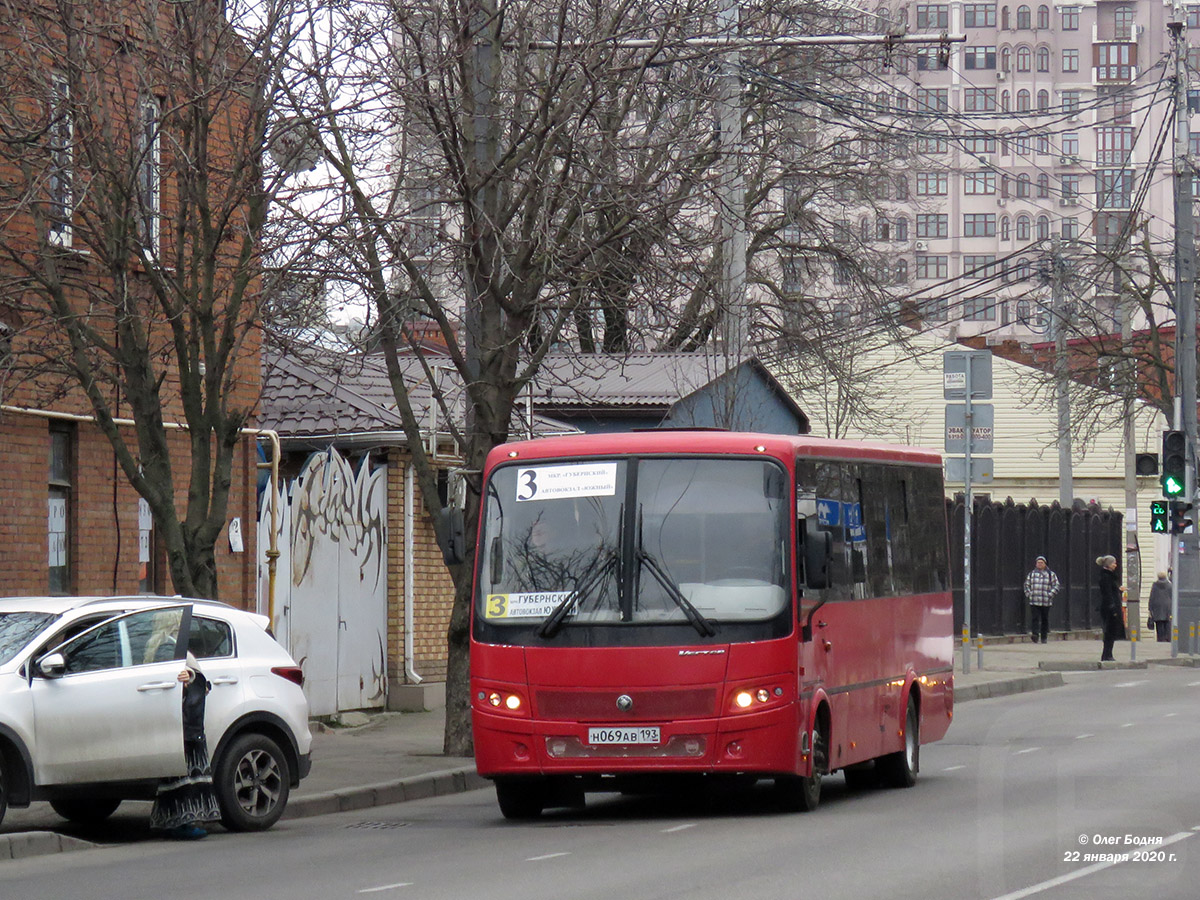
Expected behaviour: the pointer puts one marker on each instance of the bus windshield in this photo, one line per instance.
(694, 541)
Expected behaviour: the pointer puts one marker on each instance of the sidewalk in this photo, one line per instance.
(395, 757)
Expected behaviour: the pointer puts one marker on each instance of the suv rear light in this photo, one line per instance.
(293, 674)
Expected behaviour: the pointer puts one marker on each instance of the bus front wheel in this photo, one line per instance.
(802, 793)
(521, 798)
(899, 769)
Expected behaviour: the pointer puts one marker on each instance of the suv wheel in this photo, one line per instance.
(85, 810)
(252, 782)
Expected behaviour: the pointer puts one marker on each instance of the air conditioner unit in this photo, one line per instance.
(921, 245)
(1002, 201)
(985, 160)
(1067, 201)
(1073, 118)
(1064, 160)
(1001, 76)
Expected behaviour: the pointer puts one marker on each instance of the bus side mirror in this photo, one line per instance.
(817, 547)
(451, 535)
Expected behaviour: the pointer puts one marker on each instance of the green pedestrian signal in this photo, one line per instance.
(1174, 463)
(1158, 516)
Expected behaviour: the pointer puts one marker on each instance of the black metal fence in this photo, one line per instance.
(1007, 537)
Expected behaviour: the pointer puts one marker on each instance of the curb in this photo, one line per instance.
(1090, 666)
(26, 844)
(1188, 662)
(415, 787)
(1007, 687)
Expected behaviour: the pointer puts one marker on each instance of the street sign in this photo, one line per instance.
(984, 416)
(954, 374)
(981, 469)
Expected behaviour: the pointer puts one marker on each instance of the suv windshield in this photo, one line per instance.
(18, 628)
(684, 541)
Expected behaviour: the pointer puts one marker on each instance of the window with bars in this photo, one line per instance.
(58, 518)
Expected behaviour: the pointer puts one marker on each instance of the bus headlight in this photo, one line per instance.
(743, 699)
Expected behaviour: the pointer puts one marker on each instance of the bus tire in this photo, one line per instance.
(520, 799)
(802, 793)
(900, 769)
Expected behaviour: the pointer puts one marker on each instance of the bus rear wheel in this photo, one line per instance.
(521, 799)
(899, 769)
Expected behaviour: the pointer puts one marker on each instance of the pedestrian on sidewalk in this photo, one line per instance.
(1160, 607)
(1110, 605)
(1041, 587)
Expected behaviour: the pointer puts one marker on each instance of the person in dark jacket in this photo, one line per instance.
(1110, 605)
(1160, 607)
(182, 805)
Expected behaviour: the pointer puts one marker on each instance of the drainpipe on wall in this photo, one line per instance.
(409, 487)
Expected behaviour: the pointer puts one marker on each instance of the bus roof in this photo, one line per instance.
(708, 441)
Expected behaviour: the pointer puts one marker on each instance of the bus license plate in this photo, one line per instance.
(640, 735)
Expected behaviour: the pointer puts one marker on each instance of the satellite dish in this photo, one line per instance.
(295, 145)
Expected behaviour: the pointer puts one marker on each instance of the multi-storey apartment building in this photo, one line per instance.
(1046, 136)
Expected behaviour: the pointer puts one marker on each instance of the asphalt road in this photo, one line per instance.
(1010, 805)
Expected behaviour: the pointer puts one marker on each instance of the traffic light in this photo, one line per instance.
(1174, 463)
(1158, 516)
(1179, 516)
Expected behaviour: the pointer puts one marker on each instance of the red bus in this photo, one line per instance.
(704, 602)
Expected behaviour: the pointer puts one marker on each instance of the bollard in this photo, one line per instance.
(1133, 639)
(966, 649)
(979, 650)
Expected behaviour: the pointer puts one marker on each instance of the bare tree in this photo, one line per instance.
(133, 202)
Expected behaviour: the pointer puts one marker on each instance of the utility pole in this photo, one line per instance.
(1185, 294)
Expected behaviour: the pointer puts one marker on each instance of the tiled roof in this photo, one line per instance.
(328, 394)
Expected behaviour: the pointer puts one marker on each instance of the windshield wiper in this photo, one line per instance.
(553, 622)
(701, 624)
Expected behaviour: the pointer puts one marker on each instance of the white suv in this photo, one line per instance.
(91, 708)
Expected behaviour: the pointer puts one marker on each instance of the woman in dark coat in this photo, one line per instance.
(1110, 605)
(183, 804)
(1160, 606)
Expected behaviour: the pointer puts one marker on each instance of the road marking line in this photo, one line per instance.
(1088, 870)
(1168, 715)
(1127, 725)
(1080, 737)
(953, 768)
(1193, 684)
(679, 828)
(547, 856)
(386, 887)
(1131, 683)
(1027, 750)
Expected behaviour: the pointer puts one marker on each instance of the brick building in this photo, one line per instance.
(102, 257)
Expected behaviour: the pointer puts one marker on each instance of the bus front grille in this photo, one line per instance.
(648, 705)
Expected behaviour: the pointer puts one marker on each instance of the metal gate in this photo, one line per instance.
(331, 580)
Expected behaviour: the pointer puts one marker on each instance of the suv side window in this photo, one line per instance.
(132, 640)
(210, 638)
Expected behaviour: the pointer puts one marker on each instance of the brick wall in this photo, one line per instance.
(103, 528)
(433, 589)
